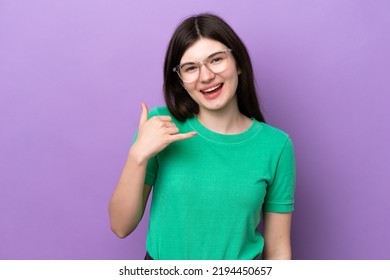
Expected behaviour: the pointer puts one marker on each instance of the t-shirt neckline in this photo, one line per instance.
(224, 138)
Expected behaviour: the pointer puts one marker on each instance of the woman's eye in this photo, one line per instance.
(216, 59)
(190, 68)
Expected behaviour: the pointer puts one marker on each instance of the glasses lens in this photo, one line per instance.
(189, 72)
(217, 62)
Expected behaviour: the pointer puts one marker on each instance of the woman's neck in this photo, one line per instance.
(224, 121)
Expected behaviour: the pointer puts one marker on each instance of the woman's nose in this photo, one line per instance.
(205, 74)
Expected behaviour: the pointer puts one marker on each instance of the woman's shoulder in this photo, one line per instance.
(273, 133)
(159, 111)
(163, 111)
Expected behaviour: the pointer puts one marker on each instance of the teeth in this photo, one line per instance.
(211, 89)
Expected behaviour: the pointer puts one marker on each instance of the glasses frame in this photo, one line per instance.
(199, 64)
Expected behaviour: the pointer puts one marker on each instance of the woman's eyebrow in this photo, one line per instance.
(211, 54)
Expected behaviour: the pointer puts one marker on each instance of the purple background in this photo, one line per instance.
(73, 74)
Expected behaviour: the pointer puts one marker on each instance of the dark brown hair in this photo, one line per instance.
(179, 103)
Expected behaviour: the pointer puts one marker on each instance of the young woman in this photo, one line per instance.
(216, 168)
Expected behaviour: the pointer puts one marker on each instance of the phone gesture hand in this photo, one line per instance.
(156, 133)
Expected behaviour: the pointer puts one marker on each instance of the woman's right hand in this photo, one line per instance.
(155, 134)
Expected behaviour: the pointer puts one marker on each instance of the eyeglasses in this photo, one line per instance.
(216, 62)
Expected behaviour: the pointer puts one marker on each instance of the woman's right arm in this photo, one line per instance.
(129, 199)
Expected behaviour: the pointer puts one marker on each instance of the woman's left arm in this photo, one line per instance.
(277, 243)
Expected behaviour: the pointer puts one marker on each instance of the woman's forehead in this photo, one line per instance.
(201, 49)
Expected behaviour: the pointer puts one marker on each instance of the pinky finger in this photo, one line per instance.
(183, 136)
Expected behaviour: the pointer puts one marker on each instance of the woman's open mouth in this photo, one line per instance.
(212, 92)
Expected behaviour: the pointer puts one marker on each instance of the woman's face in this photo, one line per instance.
(211, 91)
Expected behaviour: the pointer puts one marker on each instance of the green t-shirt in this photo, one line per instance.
(209, 191)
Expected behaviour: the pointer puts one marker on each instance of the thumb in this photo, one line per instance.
(144, 114)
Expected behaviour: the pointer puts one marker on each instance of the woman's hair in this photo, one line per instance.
(178, 101)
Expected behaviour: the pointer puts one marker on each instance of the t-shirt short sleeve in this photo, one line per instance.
(280, 192)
